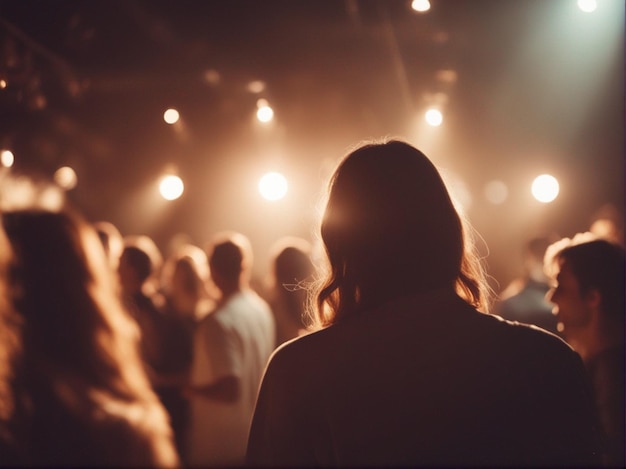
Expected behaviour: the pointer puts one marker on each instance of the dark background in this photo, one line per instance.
(532, 86)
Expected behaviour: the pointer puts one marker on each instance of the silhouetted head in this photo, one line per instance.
(185, 277)
(597, 264)
(230, 260)
(291, 262)
(291, 276)
(140, 263)
(390, 229)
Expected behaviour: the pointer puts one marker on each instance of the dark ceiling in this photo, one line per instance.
(527, 86)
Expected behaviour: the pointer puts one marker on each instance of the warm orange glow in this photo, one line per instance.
(273, 186)
(434, 117)
(496, 192)
(256, 86)
(171, 187)
(171, 116)
(6, 158)
(264, 112)
(420, 5)
(66, 178)
(545, 188)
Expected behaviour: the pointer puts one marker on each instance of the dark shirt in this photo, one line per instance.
(606, 372)
(424, 381)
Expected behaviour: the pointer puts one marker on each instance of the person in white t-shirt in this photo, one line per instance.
(232, 346)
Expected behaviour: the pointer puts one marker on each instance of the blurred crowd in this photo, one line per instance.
(113, 354)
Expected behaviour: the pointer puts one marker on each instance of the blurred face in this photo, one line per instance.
(127, 276)
(184, 290)
(571, 307)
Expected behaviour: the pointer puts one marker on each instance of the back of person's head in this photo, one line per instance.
(390, 228)
(140, 262)
(77, 351)
(291, 261)
(77, 345)
(292, 273)
(185, 276)
(230, 258)
(65, 294)
(598, 264)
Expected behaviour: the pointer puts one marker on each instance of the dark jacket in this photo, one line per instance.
(426, 380)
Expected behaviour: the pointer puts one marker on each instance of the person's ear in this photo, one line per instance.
(593, 298)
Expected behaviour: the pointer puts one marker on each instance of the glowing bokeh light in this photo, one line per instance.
(545, 188)
(212, 77)
(496, 192)
(171, 187)
(3, 83)
(66, 178)
(434, 117)
(420, 5)
(587, 6)
(256, 86)
(264, 112)
(171, 116)
(273, 186)
(6, 158)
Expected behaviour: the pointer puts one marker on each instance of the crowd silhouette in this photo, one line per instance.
(388, 350)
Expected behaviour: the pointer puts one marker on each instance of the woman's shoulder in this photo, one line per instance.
(307, 351)
(517, 331)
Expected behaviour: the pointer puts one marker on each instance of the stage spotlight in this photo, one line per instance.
(545, 188)
(264, 112)
(171, 116)
(496, 192)
(273, 186)
(420, 6)
(587, 6)
(433, 117)
(6, 158)
(66, 178)
(171, 187)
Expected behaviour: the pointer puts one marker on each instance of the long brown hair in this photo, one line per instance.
(389, 229)
(76, 338)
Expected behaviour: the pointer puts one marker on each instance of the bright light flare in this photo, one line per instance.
(171, 187)
(273, 186)
(545, 188)
(434, 117)
(264, 112)
(420, 5)
(588, 6)
(6, 158)
(66, 178)
(171, 116)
